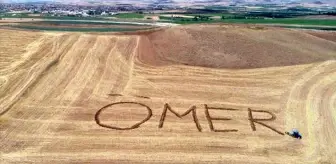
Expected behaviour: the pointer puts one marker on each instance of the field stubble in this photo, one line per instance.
(53, 84)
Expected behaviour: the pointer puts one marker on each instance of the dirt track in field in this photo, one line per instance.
(52, 86)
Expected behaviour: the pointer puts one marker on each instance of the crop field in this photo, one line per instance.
(283, 21)
(212, 14)
(185, 94)
(44, 28)
(77, 26)
(77, 23)
(129, 15)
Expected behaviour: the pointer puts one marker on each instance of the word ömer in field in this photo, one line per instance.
(252, 120)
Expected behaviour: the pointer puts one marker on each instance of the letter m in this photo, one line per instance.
(192, 109)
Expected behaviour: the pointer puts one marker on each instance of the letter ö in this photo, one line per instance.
(137, 125)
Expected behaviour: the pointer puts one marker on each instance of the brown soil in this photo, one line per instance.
(324, 35)
(228, 46)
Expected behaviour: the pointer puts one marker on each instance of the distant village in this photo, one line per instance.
(75, 10)
(237, 11)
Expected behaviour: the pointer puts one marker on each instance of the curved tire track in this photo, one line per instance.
(310, 108)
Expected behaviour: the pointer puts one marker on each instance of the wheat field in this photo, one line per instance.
(90, 98)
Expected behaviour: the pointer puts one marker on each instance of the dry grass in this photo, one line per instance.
(52, 96)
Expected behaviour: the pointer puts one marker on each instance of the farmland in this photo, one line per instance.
(77, 26)
(284, 21)
(129, 15)
(304, 17)
(185, 94)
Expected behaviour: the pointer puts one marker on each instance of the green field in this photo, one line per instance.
(129, 15)
(212, 14)
(286, 21)
(317, 22)
(74, 29)
(64, 22)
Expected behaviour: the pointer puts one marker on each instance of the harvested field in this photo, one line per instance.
(228, 46)
(324, 35)
(87, 98)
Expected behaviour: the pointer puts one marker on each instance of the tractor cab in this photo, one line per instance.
(295, 134)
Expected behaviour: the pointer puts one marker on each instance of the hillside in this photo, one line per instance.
(90, 98)
(230, 46)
